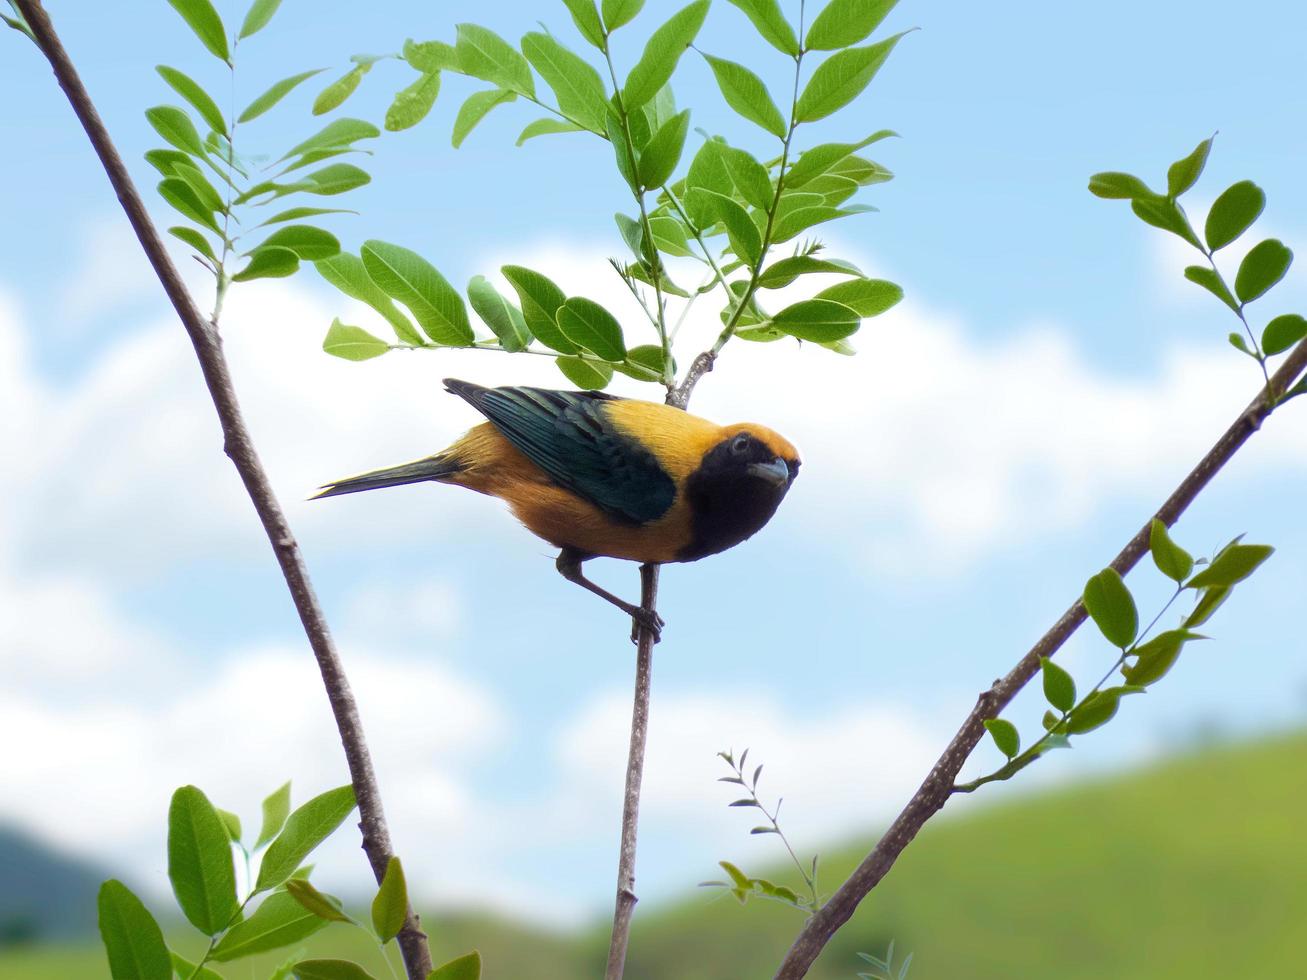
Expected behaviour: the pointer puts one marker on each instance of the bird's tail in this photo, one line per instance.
(436, 467)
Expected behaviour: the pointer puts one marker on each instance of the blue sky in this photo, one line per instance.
(1049, 378)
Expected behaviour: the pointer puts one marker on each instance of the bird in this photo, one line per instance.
(597, 475)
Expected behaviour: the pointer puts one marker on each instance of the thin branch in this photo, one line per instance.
(238, 445)
(939, 784)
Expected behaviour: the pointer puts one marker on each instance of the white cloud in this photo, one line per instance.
(110, 272)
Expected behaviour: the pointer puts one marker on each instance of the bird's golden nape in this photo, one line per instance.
(601, 476)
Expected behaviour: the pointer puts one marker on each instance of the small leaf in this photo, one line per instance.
(841, 78)
(309, 243)
(586, 19)
(587, 324)
(1263, 266)
(1171, 560)
(260, 12)
(1282, 333)
(275, 94)
(233, 824)
(182, 197)
(294, 214)
(484, 54)
(352, 343)
(406, 276)
(1118, 186)
(1165, 213)
(411, 104)
(430, 57)
(818, 320)
(1005, 736)
(740, 879)
(278, 922)
(784, 271)
(1096, 710)
(619, 13)
(746, 93)
(305, 829)
(645, 363)
(1231, 565)
(1210, 280)
(330, 970)
(336, 179)
(1233, 213)
(335, 135)
(661, 54)
(746, 241)
(347, 273)
(866, 297)
(1211, 601)
(770, 23)
(578, 87)
(276, 807)
(750, 177)
(269, 263)
(323, 906)
(190, 90)
(1238, 343)
(188, 970)
(201, 18)
(176, 127)
(132, 938)
(466, 967)
(1111, 607)
(589, 375)
(546, 126)
(194, 239)
(541, 299)
(846, 22)
(390, 907)
(475, 108)
(499, 315)
(1183, 174)
(1157, 656)
(1059, 686)
(663, 152)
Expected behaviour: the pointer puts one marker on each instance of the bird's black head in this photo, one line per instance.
(737, 487)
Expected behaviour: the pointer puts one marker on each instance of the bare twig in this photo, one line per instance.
(238, 445)
(939, 784)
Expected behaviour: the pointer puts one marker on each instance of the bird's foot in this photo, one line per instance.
(646, 619)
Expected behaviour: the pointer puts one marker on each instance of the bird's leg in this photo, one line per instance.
(569, 566)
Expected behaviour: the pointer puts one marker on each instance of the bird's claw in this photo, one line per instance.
(646, 619)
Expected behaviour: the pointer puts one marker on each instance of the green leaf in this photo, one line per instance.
(541, 300)
(1209, 279)
(1211, 601)
(669, 235)
(866, 297)
(260, 12)
(1005, 736)
(336, 134)
(347, 273)
(322, 905)
(1263, 266)
(818, 320)
(132, 939)
(390, 907)
(275, 94)
(187, 970)
(406, 276)
(1096, 710)
(1118, 186)
(276, 806)
(232, 822)
(845, 22)
(309, 243)
(622, 153)
(1164, 213)
(205, 191)
(1231, 565)
(1111, 607)
(1171, 560)
(475, 108)
(586, 19)
(1183, 174)
(619, 13)
(743, 234)
(19, 24)
(588, 325)
(166, 161)
(499, 314)
(746, 93)
(661, 54)
(412, 104)
(336, 179)
(464, 968)
(841, 78)
(1283, 332)
(185, 201)
(176, 128)
(1059, 686)
(1233, 213)
(352, 343)
(278, 922)
(784, 271)
(269, 263)
(578, 87)
(1238, 343)
(792, 221)
(294, 214)
(194, 239)
(190, 90)
(484, 54)
(201, 18)
(822, 159)
(330, 970)
(749, 176)
(305, 829)
(663, 152)
(429, 57)
(335, 94)
(643, 363)
(585, 374)
(1157, 656)
(770, 23)
(708, 172)
(546, 126)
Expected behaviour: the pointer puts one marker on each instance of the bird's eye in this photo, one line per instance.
(740, 445)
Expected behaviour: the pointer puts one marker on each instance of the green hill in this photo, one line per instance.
(1196, 868)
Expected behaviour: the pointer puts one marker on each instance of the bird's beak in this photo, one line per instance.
(775, 472)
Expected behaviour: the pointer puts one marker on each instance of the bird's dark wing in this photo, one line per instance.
(567, 435)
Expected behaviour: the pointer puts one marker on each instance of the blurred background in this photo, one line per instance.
(1049, 378)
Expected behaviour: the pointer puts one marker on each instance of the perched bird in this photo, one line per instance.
(597, 475)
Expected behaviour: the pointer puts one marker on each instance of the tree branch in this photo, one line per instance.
(239, 446)
(939, 784)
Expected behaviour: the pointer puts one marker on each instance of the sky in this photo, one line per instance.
(1049, 378)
